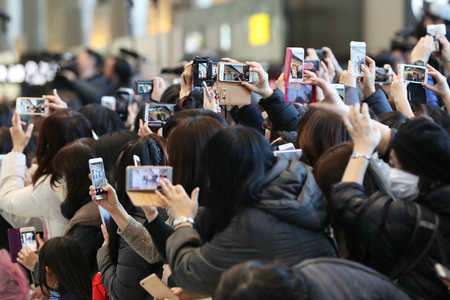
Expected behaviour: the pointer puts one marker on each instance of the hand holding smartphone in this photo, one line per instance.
(358, 57)
(158, 289)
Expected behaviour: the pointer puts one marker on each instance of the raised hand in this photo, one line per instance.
(399, 94)
(422, 50)
(332, 103)
(159, 86)
(262, 86)
(27, 258)
(19, 137)
(441, 88)
(333, 60)
(368, 81)
(177, 200)
(348, 76)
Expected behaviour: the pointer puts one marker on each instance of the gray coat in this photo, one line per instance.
(287, 224)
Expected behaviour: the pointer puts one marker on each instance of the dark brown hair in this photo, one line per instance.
(60, 128)
(71, 162)
(185, 147)
(317, 131)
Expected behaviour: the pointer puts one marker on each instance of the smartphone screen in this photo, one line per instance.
(28, 239)
(98, 175)
(235, 73)
(297, 60)
(31, 106)
(414, 74)
(358, 57)
(147, 178)
(144, 87)
(215, 71)
(158, 113)
(381, 75)
(122, 102)
(300, 93)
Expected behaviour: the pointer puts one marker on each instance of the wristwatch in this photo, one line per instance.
(180, 220)
(420, 63)
(357, 154)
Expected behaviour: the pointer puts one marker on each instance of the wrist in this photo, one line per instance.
(184, 224)
(363, 150)
(17, 149)
(369, 92)
(151, 216)
(267, 93)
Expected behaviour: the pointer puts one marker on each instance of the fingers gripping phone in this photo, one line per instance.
(98, 177)
(358, 57)
(158, 289)
(28, 238)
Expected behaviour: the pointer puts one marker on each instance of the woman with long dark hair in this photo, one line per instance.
(44, 197)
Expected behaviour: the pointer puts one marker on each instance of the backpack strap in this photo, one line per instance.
(424, 234)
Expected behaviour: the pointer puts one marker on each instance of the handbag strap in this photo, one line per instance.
(424, 234)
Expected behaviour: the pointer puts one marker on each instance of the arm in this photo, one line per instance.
(398, 91)
(378, 103)
(441, 88)
(248, 115)
(351, 95)
(284, 116)
(159, 232)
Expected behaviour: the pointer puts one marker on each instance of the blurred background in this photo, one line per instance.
(41, 37)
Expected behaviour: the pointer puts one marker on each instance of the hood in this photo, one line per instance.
(438, 200)
(292, 194)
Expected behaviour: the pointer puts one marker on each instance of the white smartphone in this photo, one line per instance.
(435, 30)
(109, 101)
(297, 67)
(137, 160)
(287, 146)
(381, 75)
(340, 88)
(235, 73)
(414, 74)
(158, 289)
(289, 154)
(147, 178)
(31, 106)
(98, 177)
(106, 217)
(28, 238)
(358, 57)
(155, 114)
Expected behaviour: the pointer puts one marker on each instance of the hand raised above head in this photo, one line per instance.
(177, 200)
(19, 137)
(348, 76)
(262, 86)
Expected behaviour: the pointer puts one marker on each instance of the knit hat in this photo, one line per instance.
(423, 148)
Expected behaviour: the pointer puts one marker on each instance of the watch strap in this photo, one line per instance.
(180, 220)
(357, 154)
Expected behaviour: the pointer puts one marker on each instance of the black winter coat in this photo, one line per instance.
(385, 226)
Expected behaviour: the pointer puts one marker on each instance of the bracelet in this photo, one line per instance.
(357, 154)
(180, 220)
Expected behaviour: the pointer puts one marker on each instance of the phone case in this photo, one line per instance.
(158, 289)
(14, 243)
(144, 198)
(231, 93)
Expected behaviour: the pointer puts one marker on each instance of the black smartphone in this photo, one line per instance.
(143, 87)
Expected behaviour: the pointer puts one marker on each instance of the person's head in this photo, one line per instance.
(185, 148)
(117, 69)
(235, 162)
(71, 163)
(63, 268)
(441, 118)
(257, 280)
(151, 150)
(87, 62)
(6, 115)
(6, 143)
(317, 131)
(393, 119)
(108, 146)
(190, 114)
(422, 148)
(58, 129)
(103, 120)
(330, 168)
(171, 95)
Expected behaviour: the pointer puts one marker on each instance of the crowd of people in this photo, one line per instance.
(364, 213)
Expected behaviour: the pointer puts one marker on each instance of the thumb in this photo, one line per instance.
(194, 195)
(39, 240)
(29, 130)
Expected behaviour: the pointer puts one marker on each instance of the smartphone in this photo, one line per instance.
(1, 158)
(202, 71)
(296, 66)
(214, 71)
(287, 146)
(340, 88)
(158, 289)
(28, 238)
(124, 98)
(109, 101)
(358, 57)
(235, 73)
(31, 106)
(435, 30)
(137, 160)
(147, 178)
(289, 154)
(312, 65)
(321, 54)
(414, 74)
(300, 93)
(143, 87)
(158, 114)
(98, 177)
(106, 217)
(442, 272)
(381, 75)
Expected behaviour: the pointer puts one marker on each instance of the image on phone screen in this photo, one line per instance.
(236, 73)
(300, 93)
(31, 106)
(98, 177)
(148, 178)
(158, 113)
(28, 239)
(297, 60)
(358, 58)
(144, 88)
(414, 74)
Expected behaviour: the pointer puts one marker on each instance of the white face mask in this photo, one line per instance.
(403, 184)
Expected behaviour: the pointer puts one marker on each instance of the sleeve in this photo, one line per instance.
(248, 115)
(351, 95)
(17, 199)
(190, 268)
(17, 222)
(378, 103)
(284, 116)
(381, 224)
(106, 268)
(431, 96)
(160, 232)
(140, 240)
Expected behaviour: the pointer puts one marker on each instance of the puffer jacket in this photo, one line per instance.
(385, 226)
(287, 224)
(122, 280)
